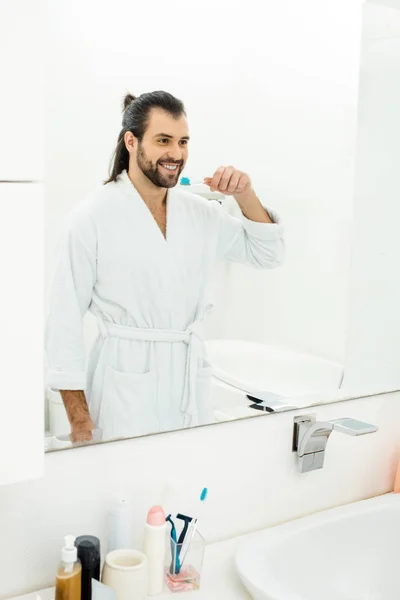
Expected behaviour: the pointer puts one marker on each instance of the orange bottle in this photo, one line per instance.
(69, 574)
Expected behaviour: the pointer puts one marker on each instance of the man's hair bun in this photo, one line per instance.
(128, 100)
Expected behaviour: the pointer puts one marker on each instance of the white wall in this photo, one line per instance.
(299, 77)
(21, 240)
(21, 333)
(21, 104)
(252, 484)
(269, 87)
(373, 354)
(386, 3)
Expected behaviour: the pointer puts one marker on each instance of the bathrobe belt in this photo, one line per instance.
(193, 336)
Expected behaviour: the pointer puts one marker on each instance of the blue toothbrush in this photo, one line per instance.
(188, 181)
(192, 529)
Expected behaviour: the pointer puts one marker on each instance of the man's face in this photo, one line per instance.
(163, 151)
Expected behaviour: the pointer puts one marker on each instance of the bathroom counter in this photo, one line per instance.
(219, 578)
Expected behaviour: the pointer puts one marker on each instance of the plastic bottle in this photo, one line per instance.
(120, 525)
(154, 548)
(68, 578)
(89, 554)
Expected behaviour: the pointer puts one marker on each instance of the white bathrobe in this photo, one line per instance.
(147, 370)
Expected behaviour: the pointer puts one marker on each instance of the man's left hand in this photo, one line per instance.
(229, 181)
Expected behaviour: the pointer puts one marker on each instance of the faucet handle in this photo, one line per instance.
(353, 426)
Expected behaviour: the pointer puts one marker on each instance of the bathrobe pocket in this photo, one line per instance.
(128, 404)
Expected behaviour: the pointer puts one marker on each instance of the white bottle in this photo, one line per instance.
(154, 548)
(120, 525)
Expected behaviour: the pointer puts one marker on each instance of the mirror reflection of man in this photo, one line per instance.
(139, 254)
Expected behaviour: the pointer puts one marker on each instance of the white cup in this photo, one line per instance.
(125, 571)
(61, 441)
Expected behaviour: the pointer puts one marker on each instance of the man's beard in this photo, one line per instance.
(154, 173)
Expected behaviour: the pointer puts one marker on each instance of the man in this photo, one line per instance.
(139, 254)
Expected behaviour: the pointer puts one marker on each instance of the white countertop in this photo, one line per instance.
(219, 578)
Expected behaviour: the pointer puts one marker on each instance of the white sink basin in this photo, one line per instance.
(269, 369)
(346, 553)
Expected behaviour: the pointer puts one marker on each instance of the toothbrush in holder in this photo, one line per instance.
(192, 528)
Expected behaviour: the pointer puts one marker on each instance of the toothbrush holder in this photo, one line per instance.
(187, 576)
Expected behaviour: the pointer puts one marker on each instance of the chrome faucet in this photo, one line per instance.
(310, 438)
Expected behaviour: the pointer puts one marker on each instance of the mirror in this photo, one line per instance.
(238, 257)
